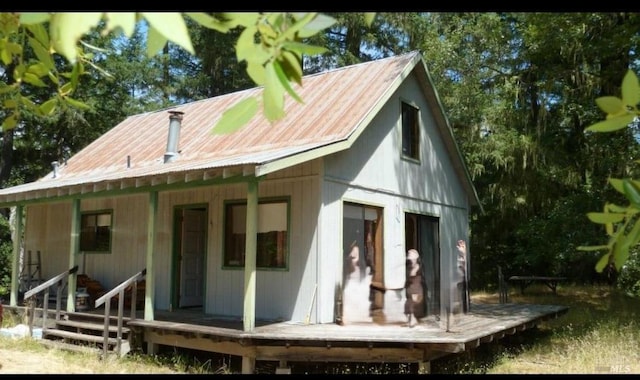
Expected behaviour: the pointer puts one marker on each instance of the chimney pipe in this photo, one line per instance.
(175, 121)
(55, 165)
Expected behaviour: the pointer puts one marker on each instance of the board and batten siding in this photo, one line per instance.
(281, 294)
(372, 172)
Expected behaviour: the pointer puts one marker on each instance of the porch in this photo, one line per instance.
(367, 343)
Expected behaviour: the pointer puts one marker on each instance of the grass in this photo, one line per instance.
(600, 334)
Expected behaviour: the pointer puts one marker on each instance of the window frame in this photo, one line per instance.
(410, 137)
(96, 248)
(228, 204)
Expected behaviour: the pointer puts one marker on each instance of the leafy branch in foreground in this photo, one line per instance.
(272, 44)
(622, 223)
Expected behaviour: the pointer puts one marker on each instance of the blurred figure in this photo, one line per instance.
(414, 287)
(461, 280)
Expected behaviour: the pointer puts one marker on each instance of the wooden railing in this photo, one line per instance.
(106, 300)
(44, 287)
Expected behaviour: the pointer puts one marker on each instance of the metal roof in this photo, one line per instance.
(338, 104)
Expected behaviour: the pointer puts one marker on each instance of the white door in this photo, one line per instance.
(192, 252)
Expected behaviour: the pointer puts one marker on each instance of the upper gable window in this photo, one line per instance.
(410, 132)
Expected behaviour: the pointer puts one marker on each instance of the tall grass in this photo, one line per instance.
(600, 334)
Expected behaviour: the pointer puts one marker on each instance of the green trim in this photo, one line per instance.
(274, 199)
(131, 190)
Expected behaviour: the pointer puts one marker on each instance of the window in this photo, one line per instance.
(410, 132)
(95, 231)
(273, 234)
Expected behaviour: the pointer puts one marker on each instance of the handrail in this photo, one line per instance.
(106, 300)
(45, 303)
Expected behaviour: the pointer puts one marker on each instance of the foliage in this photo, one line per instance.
(271, 44)
(621, 222)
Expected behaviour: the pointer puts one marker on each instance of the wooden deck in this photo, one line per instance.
(365, 342)
(371, 342)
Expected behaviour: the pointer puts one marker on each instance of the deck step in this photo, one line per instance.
(47, 333)
(81, 325)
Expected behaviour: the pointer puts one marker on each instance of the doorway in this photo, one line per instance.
(363, 281)
(422, 232)
(190, 224)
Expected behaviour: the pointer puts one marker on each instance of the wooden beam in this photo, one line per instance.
(202, 344)
(17, 243)
(340, 354)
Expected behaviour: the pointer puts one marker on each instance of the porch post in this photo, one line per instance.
(149, 288)
(17, 243)
(74, 248)
(249, 315)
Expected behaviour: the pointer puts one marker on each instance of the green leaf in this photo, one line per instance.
(40, 34)
(208, 21)
(612, 124)
(245, 45)
(67, 29)
(29, 18)
(76, 103)
(33, 79)
(282, 77)
(122, 21)
(631, 191)
(273, 95)
(236, 116)
(172, 26)
(5, 56)
(291, 66)
(42, 53)
(369, 17)
(39, 69)
(301, 48)
(10, 103)
(318, 24)
(10, 122)
(617, 184)
(26, 102)
(605, 217)
(602, 263)
(611, 105)
(256, 72)
(246, 19)
(630, 89)
(155, 42)
(49, 106)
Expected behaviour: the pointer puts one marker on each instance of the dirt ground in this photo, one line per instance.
(15, 361)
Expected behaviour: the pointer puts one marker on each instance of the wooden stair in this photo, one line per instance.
(78, 331)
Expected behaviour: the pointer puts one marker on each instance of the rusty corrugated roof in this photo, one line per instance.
(337, 104)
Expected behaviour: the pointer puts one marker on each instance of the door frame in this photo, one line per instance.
(176, 252)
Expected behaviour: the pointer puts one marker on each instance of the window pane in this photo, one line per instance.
(410, 131)
(272, 239)
(95, 232)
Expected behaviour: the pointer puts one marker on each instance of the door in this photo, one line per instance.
(422, 233)
(191, 257)
(363, 281)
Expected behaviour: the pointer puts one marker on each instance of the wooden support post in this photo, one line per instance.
(248, 365)
(249, 315)
(17, 244)
(283, 369)
(74, 249)
(424, 368)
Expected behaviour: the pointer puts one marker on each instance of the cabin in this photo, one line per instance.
(267, 224)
